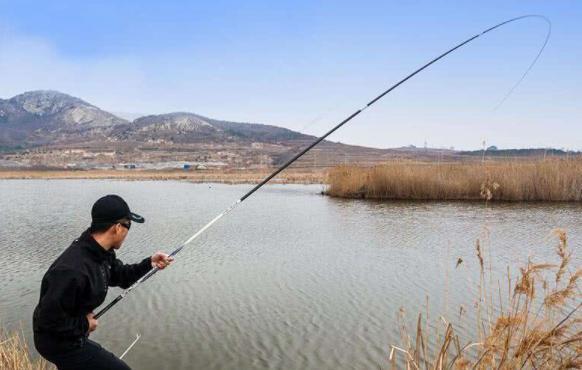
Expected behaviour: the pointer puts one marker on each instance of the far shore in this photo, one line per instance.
(291, 176)
(552, 180)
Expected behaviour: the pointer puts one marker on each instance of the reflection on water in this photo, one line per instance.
(290, 280)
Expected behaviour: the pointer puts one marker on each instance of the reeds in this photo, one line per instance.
(539, 327)
(14, 353)
(531, 180)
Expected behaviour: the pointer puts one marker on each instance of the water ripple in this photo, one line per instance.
(291, 280)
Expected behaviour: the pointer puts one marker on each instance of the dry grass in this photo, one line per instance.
(14, 354)
(534, 180)
(532, 330)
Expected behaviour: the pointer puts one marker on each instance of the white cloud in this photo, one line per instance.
(28, 63)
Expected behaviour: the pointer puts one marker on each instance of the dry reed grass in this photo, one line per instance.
(532, 331)
(14, 354)
(533, 180)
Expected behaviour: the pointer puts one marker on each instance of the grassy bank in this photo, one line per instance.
(535, 180)
(15, 355)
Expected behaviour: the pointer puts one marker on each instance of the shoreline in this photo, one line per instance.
(548, 181)
(226, 177)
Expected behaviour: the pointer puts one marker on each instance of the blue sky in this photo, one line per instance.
(307, 64)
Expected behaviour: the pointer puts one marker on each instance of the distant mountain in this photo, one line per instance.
(49, 129)
(46, 116)
(52, 129)
(51, 117)
(182, 127)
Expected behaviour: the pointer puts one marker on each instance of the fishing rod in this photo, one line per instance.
(319, 140)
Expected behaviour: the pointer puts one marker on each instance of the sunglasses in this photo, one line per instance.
(127, 225)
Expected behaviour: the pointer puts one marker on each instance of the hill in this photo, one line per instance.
(50, 129)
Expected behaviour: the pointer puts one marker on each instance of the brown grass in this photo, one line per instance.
(533, 180)
(532, 331)
(14, 354)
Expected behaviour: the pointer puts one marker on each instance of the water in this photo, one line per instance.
(289, 280)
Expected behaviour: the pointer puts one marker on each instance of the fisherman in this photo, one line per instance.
(76, 283)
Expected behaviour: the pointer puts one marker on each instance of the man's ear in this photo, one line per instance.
(115, 229)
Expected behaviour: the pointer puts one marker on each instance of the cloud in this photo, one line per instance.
(31, 63)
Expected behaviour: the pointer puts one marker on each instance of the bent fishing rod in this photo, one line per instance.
(323, 137)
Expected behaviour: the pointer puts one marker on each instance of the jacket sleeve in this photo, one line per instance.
(125, 275)
(60, 304)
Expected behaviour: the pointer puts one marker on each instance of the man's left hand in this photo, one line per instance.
(161, 260)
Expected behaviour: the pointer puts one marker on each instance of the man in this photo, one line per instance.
(76, 284)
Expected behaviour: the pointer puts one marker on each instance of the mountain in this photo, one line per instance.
(50, 117)
(51, 129)
(46, 116)
(183, 127)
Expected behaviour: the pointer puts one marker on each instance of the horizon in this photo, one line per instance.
(299, 67)
(128, 117)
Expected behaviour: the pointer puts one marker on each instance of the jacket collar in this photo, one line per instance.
(95, 248)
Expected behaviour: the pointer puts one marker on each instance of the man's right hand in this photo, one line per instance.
(92, 322)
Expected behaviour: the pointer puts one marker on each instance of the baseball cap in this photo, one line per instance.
(112, 208)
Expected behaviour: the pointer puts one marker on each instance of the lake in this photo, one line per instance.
(289, 280)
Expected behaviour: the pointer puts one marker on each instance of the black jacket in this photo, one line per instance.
(73, 286)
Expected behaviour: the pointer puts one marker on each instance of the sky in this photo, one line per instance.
(306, 65)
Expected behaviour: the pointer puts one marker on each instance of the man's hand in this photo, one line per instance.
(161, 260)
(92, 322)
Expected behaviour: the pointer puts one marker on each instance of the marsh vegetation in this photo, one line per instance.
(516, 180)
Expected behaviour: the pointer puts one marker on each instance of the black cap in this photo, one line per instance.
(112, 208)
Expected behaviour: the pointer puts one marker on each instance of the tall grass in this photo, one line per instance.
(538, 327)
(14, 353)
(534, 180)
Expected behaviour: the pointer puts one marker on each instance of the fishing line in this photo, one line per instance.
(532, 64)
(317, 141)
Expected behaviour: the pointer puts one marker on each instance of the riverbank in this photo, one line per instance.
(553, 180)
(224, 176)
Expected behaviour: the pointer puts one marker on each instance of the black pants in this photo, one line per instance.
(89, 356)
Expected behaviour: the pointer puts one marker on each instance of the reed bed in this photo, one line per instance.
(15, 355)
(539, 326)
(534, 180)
